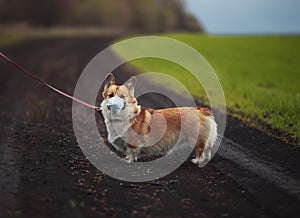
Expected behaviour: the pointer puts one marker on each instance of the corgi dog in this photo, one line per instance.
(128, 124)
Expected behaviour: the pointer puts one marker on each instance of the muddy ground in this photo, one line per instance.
(43, 172)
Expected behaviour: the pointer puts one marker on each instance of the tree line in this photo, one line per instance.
(141, 15)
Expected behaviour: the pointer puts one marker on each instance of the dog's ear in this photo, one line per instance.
(109, 80)
(130, 84)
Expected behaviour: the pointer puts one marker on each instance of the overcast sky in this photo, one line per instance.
(247, 16)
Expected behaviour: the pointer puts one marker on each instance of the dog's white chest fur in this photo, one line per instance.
(116, 129)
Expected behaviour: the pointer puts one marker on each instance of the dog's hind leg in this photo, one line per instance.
(212, 137)
(200, 154)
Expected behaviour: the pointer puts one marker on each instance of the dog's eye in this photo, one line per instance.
(111, 95)
(122, 96)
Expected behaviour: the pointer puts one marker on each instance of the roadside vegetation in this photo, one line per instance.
(146, 16)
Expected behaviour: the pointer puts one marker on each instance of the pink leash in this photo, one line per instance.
(47, 85)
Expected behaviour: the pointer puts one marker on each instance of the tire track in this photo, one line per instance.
(265, 169)
(9, 170)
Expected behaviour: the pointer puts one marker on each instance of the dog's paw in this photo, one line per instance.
(129, 159)
(199, 162)
(195, 161)
(202, 164)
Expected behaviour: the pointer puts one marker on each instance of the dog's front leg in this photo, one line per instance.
(132, 153)
(129, 156)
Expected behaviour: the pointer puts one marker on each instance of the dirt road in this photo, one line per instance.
(43, 172)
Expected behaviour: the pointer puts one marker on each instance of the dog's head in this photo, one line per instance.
(119, 101)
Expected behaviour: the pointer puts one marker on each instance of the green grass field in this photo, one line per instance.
(260, 77)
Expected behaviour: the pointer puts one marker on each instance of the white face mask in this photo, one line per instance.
(115, 104)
